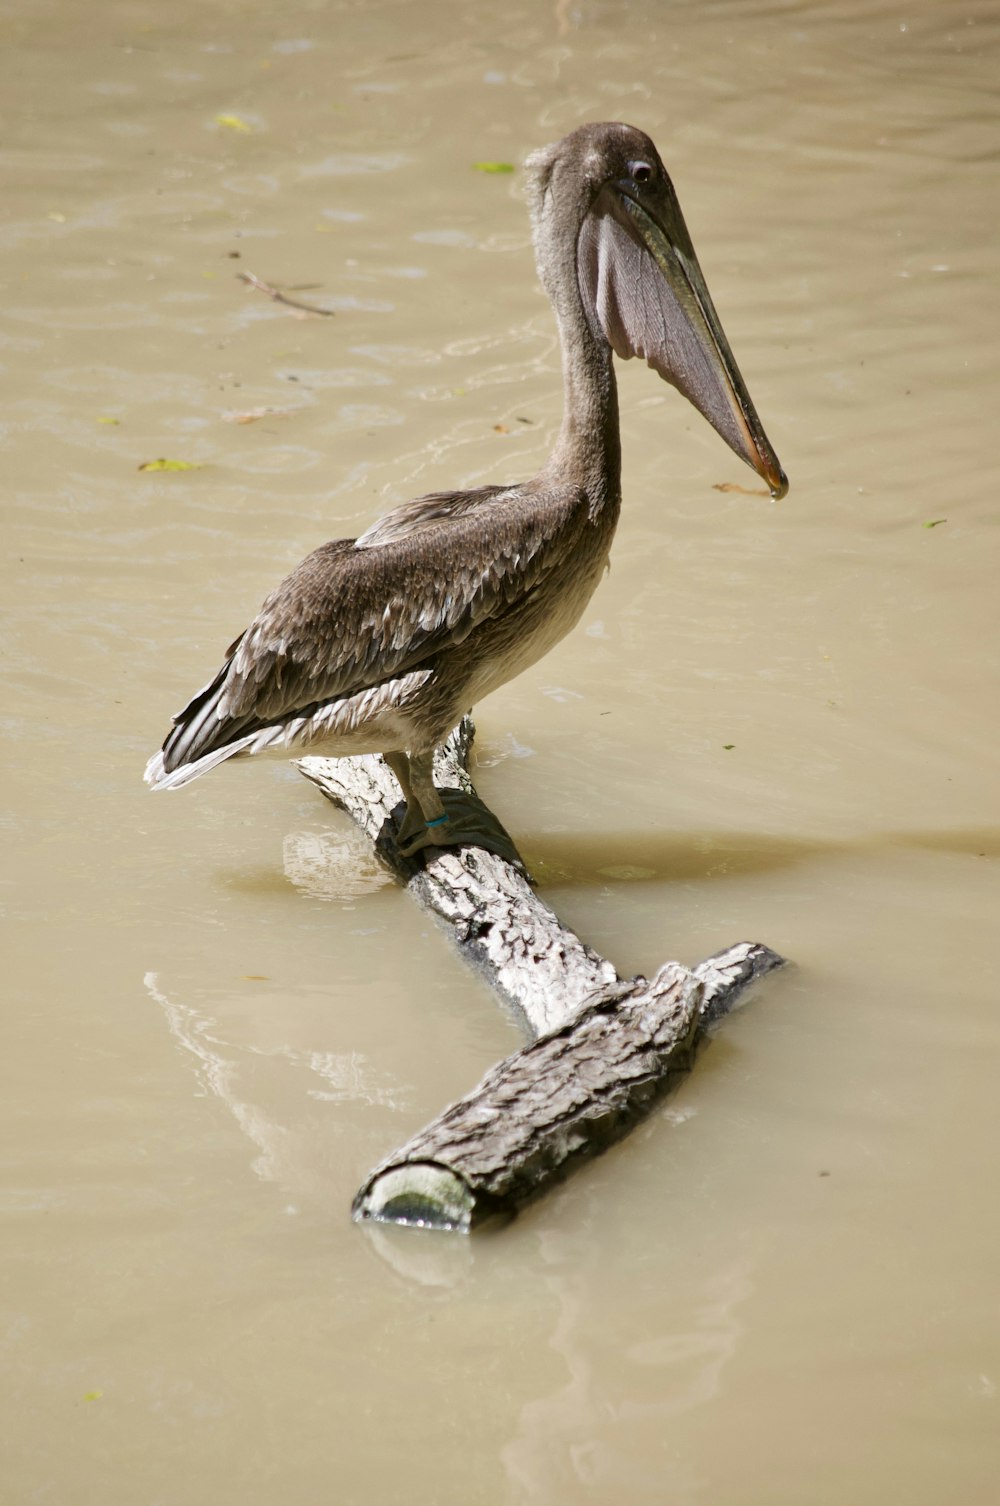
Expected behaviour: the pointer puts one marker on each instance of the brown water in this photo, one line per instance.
(219, 1013)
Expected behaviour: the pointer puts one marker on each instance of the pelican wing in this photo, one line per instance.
(355, 613)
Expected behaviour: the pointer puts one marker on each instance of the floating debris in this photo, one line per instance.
(233, 123)
(171, 465)
(744, 491)
(251, 415)
(293, 303)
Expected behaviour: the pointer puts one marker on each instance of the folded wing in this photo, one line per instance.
(356, 613)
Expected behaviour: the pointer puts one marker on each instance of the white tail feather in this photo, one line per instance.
(158, 779)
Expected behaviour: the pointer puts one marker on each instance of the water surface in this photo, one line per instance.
(776, 721)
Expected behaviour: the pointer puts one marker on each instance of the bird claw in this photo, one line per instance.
(438, 836)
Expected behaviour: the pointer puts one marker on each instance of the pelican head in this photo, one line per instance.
(603, 194)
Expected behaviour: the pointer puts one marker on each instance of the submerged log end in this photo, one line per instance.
(728, 974)
(419, 1195)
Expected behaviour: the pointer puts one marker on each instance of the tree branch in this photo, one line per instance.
(605, 1049)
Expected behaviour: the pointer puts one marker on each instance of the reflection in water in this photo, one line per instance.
(425, 1257)
(572, 859)
(328, 865)
(285, 1133)
(218, 1075)
(563, 1444)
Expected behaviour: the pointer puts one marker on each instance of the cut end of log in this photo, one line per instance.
(419, 1194)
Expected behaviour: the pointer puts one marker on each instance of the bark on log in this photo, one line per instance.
(606, 1049)
(558, 1102)
(495, 917)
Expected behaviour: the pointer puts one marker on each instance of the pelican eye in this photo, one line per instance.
(641, 172)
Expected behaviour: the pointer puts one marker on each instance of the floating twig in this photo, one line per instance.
(279, 297)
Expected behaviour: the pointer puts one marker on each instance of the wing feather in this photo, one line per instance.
(355, 613)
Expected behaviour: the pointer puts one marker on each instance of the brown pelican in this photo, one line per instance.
(382, 643)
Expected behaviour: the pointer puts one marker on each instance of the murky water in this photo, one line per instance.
(777, 721)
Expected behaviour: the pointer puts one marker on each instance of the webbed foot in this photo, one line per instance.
(467, 822)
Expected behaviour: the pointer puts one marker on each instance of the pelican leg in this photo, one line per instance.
(449, 818)
(423, 803)
(414, 823)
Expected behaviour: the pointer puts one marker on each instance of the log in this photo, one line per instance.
(558, 1102)
(605, 1049)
